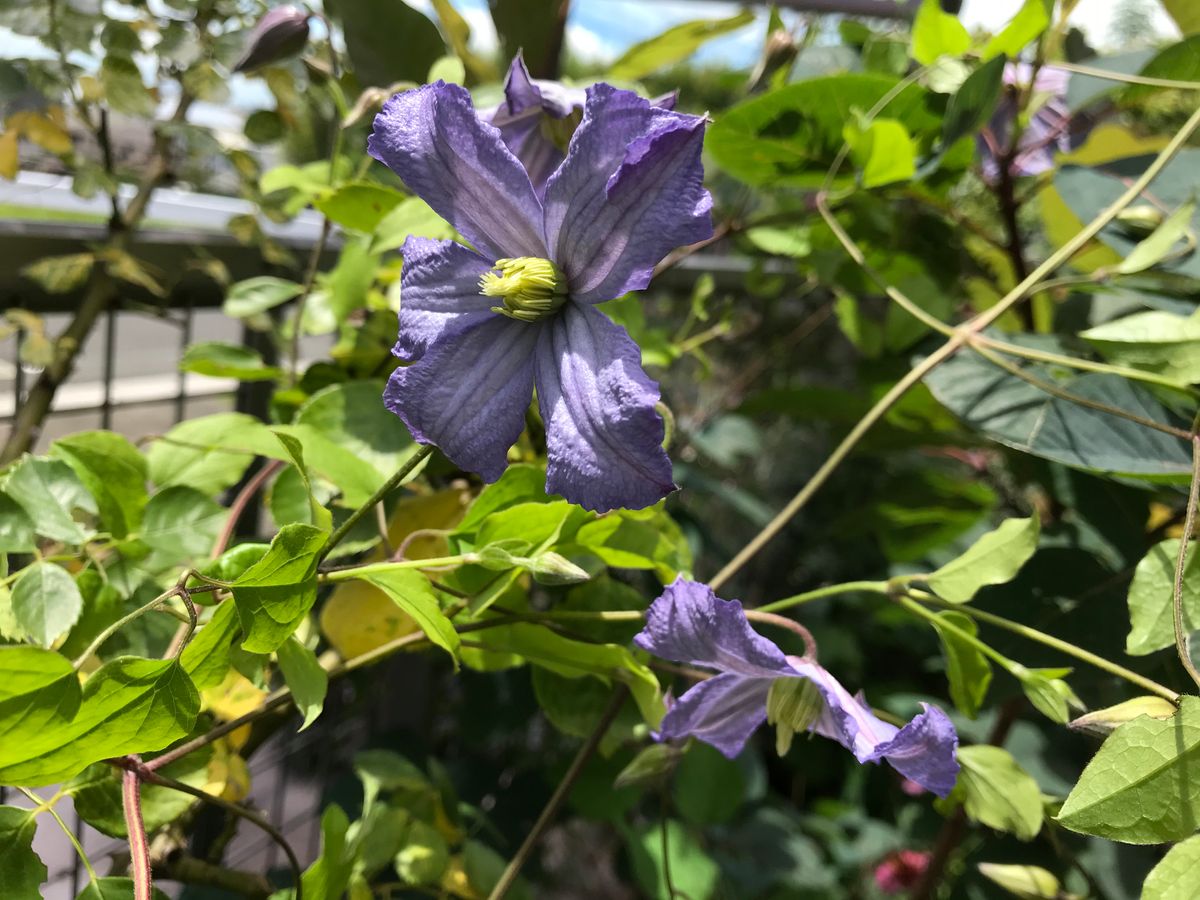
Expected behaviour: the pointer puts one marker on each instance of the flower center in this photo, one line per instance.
(532, 288)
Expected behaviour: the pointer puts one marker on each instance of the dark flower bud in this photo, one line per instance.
(280, 34)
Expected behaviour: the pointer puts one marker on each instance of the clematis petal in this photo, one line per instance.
(924, 751)
(722, 711)
(689, 624)
(603, 436)
(432, 138)
(630, 190)
(439, 294)
(468, 394)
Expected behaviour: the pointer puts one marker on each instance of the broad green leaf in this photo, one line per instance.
(114, 473)
(519, 484)
(39, 691)
(425, 855)
(1019, 415)
(1048, 692)
(794, 241)
(326, 878)
(114, 887)
(708, 788)
(46, 602)
(218, 359)
(359, 205)
(791, 136)
(973, 103)
(129, 705)
(1160, 342)
(1177, 62)
(535, 524)
(1026, 26)
(182, 524)
(410, 218)
(275, 594)
(967, 669)
(1174, 878)
(206, 657)
(993, 559)
(387, 42)
(305, 678)
(1139, 788)
(96, 794)
(16, 527)
(483, 867)
(386, 770)
(1026, 882)
(352, 415)
(1153, 249)
(643, 539)
(124, 90)
(22, 871)
(257, 295)
(1151, 609)
(574, 659)
(318, 514)
(411, 591)
(49, 491)
(998, 793)
(693, 873)
(937, 33)
(1185, 13)
(884, 152)
(449, 69)
(191, 454)
(674, 44)
(355, 477)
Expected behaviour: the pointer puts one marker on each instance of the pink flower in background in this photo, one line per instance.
(900, 871)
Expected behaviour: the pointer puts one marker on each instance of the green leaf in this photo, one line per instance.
(326, 879)
(533, 524)
(1151, 609)
(46, 602)
(411, 217)
(708, 788)
(1157, 341)
(411, 591)
(257, 295)
(449, 69)
(191, 454)
(1047, 691)
(16, 527)
(1177, 62)
(115, 888)
(359, 205)
(998, 793)
(937, 33)
(1153, 249)
(425, 855)
(352, 415)
(673, 45)
(182, 524)
(884, 152)
(275, 594)
(124, 89)
(387, 42)
(129, 705)
(791, 136)
(1026, 882)
(1139, 788)
(519, 483)
(1185, 13)
(22, 871)
(1026, 26)
(49, 491)
(483, 867)
(1174, 878)
(305, 678)
(221, 360)
(206, 657)
(643, 539)
(457, 32)
(114, 473)
(967, 669)
(319, 515)
(693, 873)
(1019, 415)
(39, 691)
(995, 558)
(973, 103)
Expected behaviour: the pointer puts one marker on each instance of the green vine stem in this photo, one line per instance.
(957, 340)
(48, 806)
(1185, 539)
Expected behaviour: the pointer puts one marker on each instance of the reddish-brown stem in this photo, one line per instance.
(241, 501)
(139, 848)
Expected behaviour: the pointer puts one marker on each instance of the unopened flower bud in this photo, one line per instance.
(553, 568)
(280, 34)
(650, 766)
(779, 51)
(1102, 722)
(793, 705)
(1140, 220)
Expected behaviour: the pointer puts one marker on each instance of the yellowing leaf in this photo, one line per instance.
(233, 697)
(9, 156)
(42, 130)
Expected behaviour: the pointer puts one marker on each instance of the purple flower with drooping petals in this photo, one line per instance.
(482, 327)
(689, 624)
(537, 118)
(1051, 130)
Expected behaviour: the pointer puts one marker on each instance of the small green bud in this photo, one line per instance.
(1140, 220)
(793, 705)
(500, 556)
(532, 288)
(650, 766)
(553, 568)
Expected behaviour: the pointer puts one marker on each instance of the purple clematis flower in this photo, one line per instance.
(690, 625)
(1051, 129)
(482, 327)
(537, 118)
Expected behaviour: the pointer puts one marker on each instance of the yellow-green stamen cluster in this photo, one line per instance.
(532, 288)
